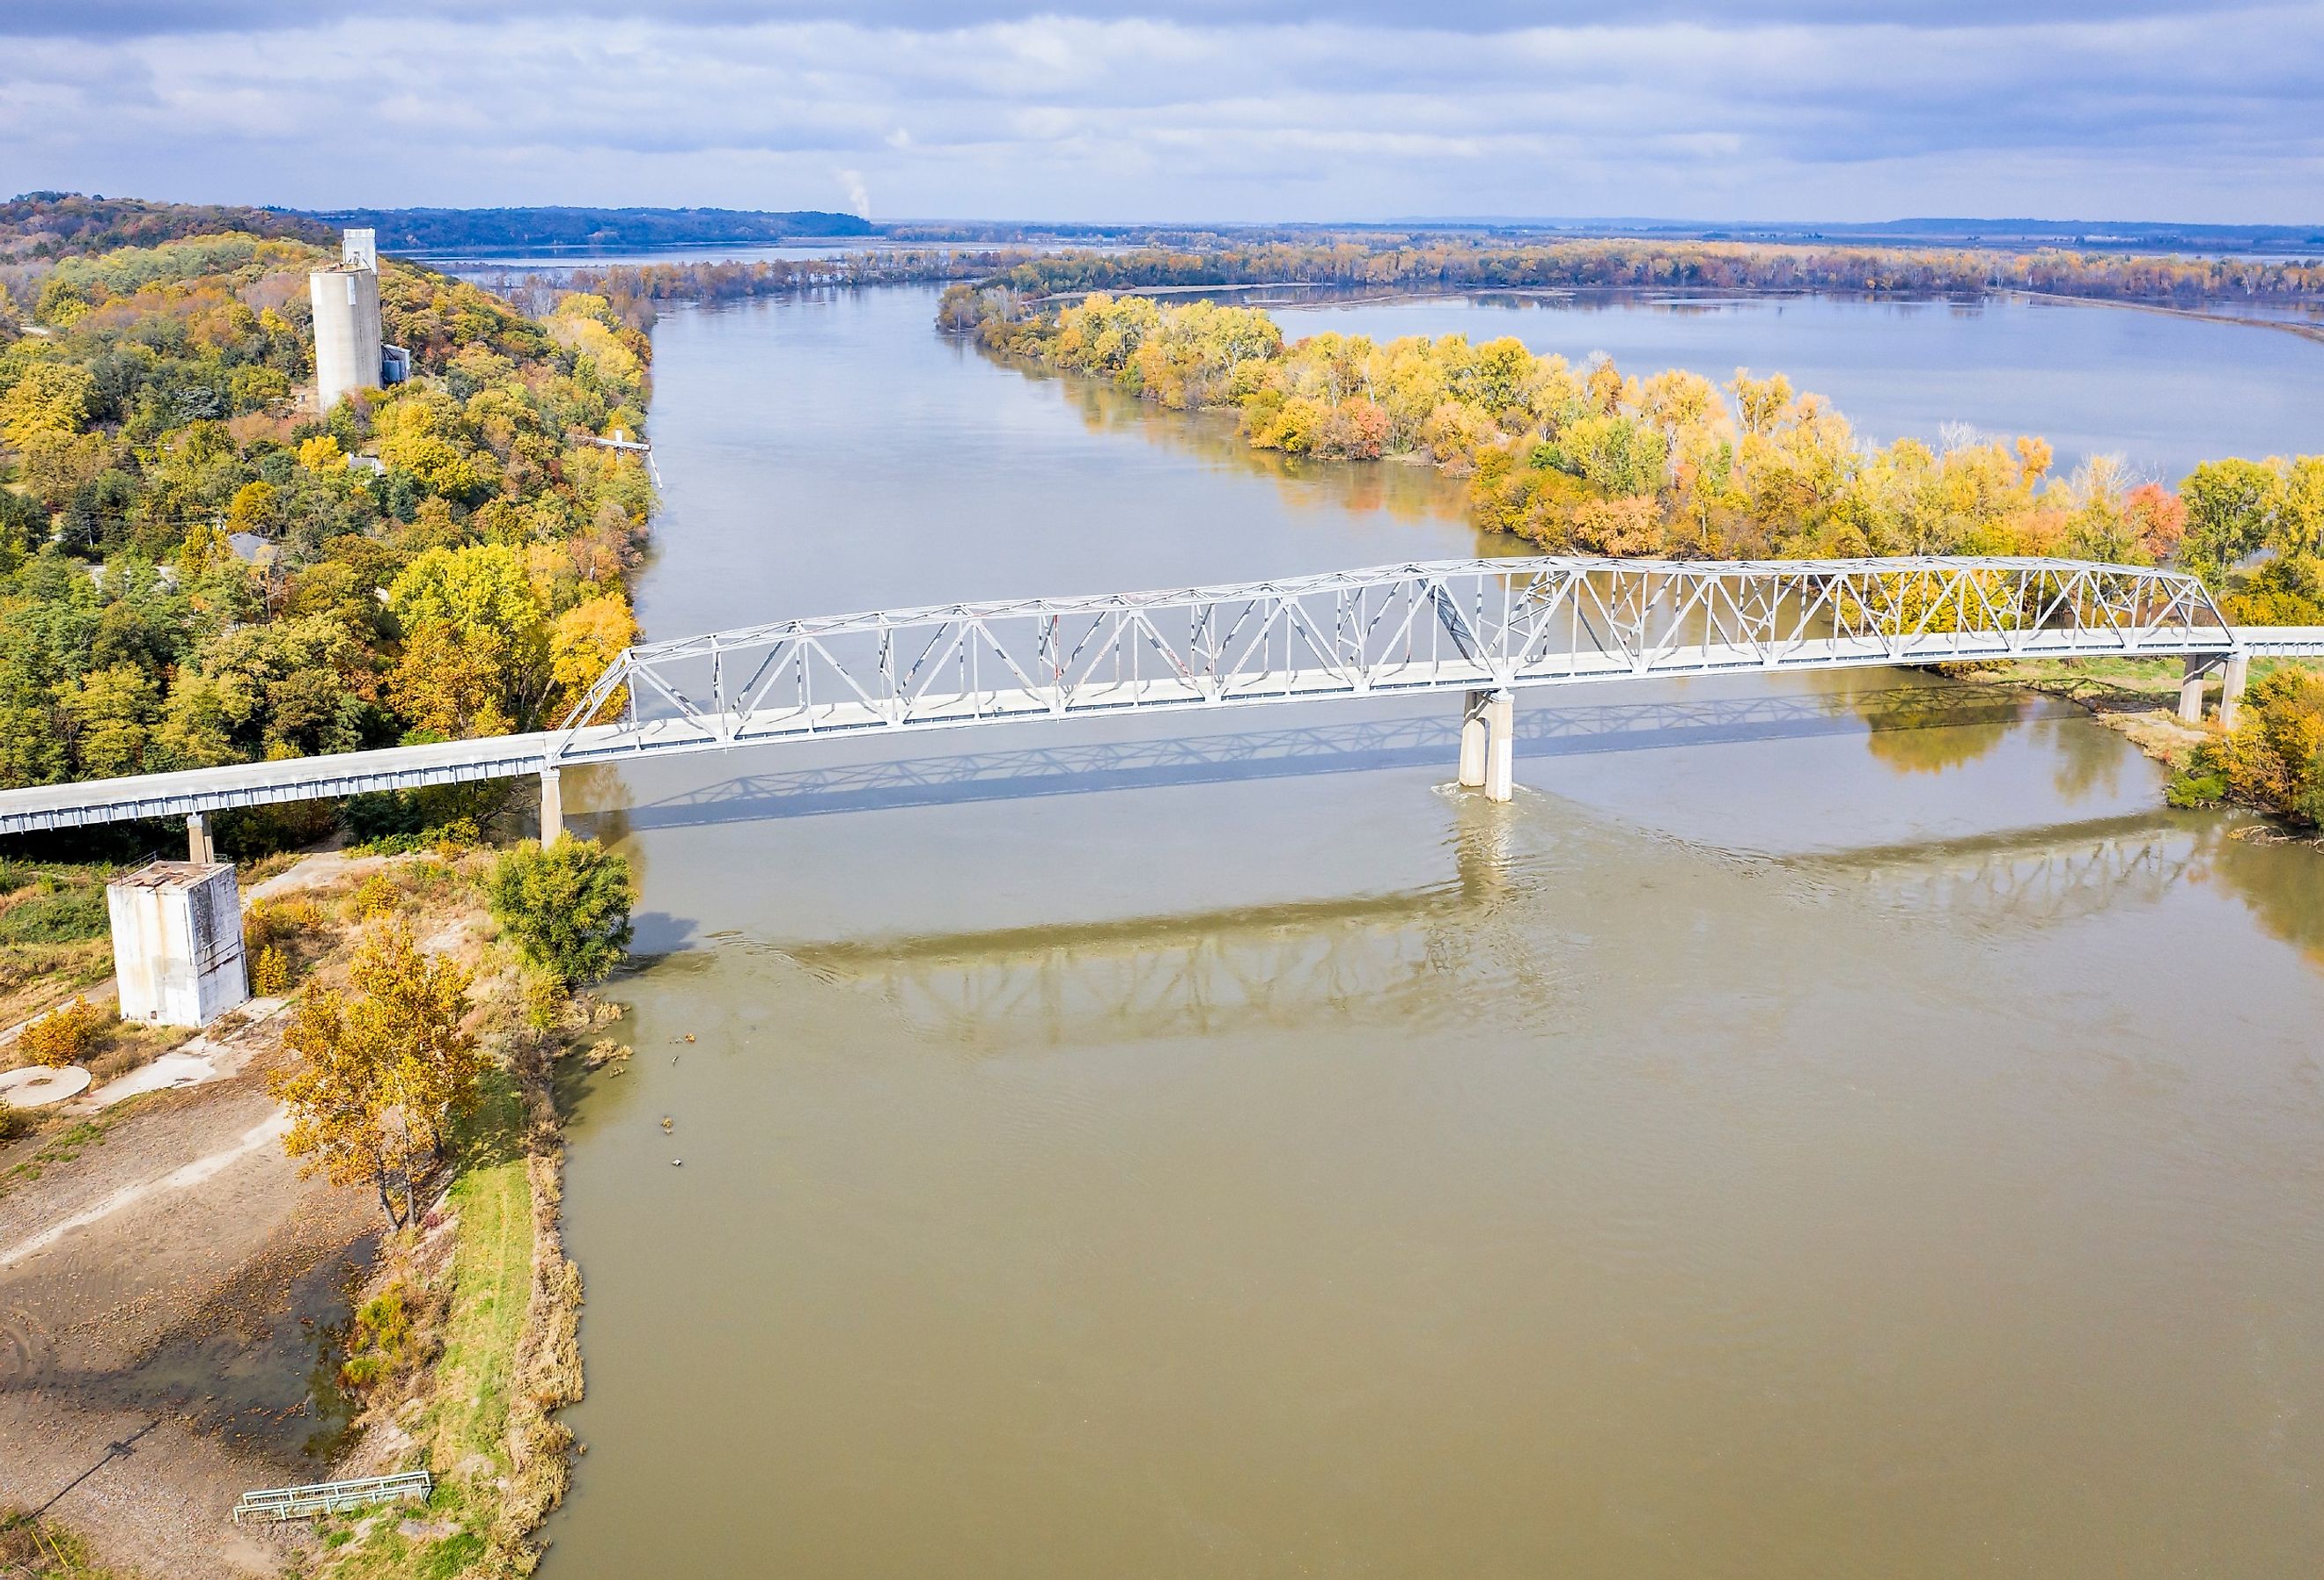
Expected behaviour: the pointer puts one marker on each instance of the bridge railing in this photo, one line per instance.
(272, 1503)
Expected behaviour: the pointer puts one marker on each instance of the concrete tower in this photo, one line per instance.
(347, 319)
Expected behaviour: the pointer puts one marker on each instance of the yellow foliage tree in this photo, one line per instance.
(63, 1036)
(47, 398)
(252, 508)
(382, 1072)
(586, 639)
(270, 974)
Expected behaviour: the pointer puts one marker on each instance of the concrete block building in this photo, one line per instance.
(177, 942)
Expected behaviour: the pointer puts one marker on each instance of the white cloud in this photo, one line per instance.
(2137, 116)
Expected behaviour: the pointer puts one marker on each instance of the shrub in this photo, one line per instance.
(2196, 790)
(13, 1121)
(567, 907)
(63, 1036)
(545, 998)
(264, 925)
(270, 974)
(380, 1340)
(2275, 757)
(375, 897)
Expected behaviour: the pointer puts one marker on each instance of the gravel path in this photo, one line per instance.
(168, 1280)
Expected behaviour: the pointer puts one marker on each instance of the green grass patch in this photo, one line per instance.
(66, 914)
(371, 1547)
(69, 1143)
(492, 1282)
(467, 1417)
(2119, 682)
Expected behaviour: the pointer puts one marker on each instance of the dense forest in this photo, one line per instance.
(51, 225)
(195, 571)
(1455, 264)
(412, 229)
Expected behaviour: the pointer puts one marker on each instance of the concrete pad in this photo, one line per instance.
(38, 1085)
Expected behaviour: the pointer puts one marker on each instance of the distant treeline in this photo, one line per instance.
(1672, 265)
(632, 289)
(434, 228)
(2116, 236)
(55, 225)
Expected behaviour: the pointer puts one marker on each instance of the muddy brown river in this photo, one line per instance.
(1824, 1126)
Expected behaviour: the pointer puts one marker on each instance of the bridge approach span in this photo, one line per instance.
(1480, 627)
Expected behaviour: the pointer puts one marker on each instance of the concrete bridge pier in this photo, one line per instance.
(198, 848)
(1472, 740)
(1488, 742)
(1501, 747)
(2231, 694)
(2190, 688)
(552, 808)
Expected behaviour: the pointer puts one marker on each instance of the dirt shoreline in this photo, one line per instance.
(185, 1316)
(175, 1299)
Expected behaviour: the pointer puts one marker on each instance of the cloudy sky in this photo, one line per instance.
(1200, 109)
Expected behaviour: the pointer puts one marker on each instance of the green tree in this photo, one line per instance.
(567, 906)
(111, 714)
(2232, 506)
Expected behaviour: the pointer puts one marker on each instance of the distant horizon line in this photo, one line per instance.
(1418, 220)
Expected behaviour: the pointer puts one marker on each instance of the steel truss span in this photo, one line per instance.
(1453, 625)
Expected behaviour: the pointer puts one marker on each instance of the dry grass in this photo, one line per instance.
(43, 1549)
(37, 977)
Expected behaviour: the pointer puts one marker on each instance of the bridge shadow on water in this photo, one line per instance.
(1296, 965)
(1361, 746)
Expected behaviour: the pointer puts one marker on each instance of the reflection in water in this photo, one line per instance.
(2036, 879)
(1287, 965)
(1972, 719)
(1372, 956)
(1406, 489)
(1920, 730)
(2281, 882)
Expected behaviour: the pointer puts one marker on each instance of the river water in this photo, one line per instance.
(1827, 1126)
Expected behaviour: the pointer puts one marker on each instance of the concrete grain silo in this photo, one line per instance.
(346, 321)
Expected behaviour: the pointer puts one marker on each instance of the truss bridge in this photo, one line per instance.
(1482, 629)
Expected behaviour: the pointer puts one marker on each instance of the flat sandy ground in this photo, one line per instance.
(164, 1290)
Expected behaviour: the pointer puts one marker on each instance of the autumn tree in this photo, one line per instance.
(133, 639)
(567, 906)
(381, 1071)
(2275, 756)
(586, 639)
(2231, 511)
